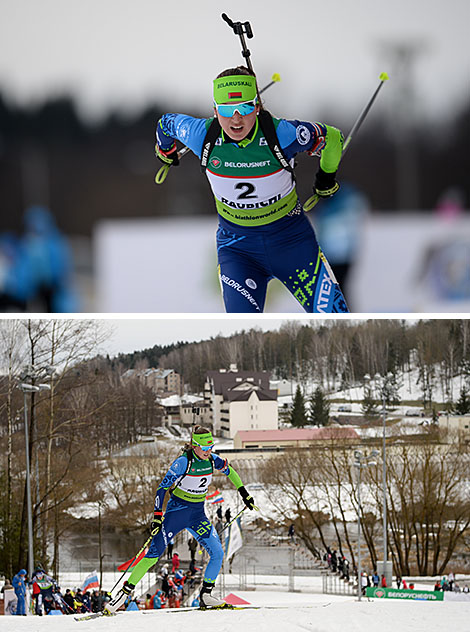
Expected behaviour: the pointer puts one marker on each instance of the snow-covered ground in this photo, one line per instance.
(300, 611)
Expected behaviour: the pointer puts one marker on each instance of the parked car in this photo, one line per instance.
(345, 408)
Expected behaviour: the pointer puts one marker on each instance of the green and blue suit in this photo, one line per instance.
(188, 478)
(263, 232)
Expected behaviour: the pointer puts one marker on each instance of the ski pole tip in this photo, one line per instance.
(383, 76)
(276, 77)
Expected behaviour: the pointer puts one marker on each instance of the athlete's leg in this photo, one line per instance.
(208, 537)
(297, 260)
(243, 277)
(177, 517)
(175, 520)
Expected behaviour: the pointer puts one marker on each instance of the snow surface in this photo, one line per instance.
(312, 612)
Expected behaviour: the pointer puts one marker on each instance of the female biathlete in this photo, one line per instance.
(248, 157)
(188, 480)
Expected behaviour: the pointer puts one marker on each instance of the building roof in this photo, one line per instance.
(234, 395)
(227, 379)
(298, 434)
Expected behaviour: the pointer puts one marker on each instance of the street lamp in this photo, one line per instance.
(361, 461)
(383, 383)
(29, 388)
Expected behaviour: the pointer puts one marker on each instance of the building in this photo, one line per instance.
(240, 400)
(161, 381)
(293, 437)
(455, 428)
(186, 411)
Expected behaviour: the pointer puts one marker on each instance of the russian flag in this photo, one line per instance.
(91, 581)
(215, 498)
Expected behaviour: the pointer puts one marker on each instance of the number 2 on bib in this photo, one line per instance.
(248, 190)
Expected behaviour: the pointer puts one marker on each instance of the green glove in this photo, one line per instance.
(168, 157)
(156, 523)
(325, 183)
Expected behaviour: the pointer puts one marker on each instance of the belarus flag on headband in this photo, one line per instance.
(91, 581)
(215, 498)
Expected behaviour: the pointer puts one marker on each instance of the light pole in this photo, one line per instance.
(383, 382)
(361, 461)
(29, 388)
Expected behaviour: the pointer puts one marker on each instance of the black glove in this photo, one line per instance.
(247, 499)
(156, 523)
(325, 184)
(169, 156)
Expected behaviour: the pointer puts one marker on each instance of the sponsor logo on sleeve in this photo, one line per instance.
(303, 134)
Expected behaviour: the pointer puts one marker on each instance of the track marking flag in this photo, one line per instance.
(234, 540)
(91, 581)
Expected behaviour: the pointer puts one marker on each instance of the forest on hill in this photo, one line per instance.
(333, 353)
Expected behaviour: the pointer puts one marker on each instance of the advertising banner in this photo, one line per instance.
(391, 593)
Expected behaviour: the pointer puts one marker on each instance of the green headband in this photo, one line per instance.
(204, 440)
(234, 88)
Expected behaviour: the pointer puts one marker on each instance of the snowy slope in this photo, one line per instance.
(314, 613)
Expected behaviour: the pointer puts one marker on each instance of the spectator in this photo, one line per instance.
(228, 515)
(192, 546)
(169, 549)
(68, 598)
(405, 585)
(334, 561)
(375, 579)
(451, 579)
(175, 563)
(158, 600)
(383, 582)
(411, 586)
(437, 585)
(96, 601)
(20, 591)
(148, 602)
(291, 532)
(364, 582)
(465, 589)
(398, 580)
(15, 277)
(50, 262)
(218, 513)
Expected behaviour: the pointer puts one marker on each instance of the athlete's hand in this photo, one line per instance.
(168, 157)
(156, 523)
(247, 499)
(325, 184)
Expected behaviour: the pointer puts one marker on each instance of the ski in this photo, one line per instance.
(95, 615)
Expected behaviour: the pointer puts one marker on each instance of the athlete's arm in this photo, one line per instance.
(188, 130)
(176, 471)
(223, 466)
(317, 138)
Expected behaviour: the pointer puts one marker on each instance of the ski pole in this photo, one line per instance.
(237, 516)
(312, 201)
(133, 560)
(163, 171)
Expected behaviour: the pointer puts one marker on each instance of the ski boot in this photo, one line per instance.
(119, 599)
(207, 601)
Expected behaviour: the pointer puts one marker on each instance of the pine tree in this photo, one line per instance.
(462, 406)
(369, 405)
(319, 408)
(298, 417)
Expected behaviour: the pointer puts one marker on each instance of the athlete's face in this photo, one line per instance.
(200, 453)
(237, 126)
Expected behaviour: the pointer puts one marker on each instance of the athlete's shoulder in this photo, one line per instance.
(301, 134)
(189, 130)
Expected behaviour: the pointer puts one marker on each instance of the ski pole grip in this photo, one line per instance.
(248, 31)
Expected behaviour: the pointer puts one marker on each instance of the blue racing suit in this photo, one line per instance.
(263, 232)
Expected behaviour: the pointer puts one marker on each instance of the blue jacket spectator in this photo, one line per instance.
(19, 585)
(49, 260)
